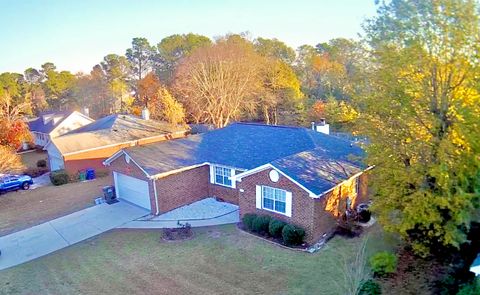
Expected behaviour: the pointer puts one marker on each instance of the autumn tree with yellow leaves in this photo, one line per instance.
(421, 113)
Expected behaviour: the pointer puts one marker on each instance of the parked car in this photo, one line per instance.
(15, 182)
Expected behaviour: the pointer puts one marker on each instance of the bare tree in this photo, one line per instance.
(217, 83)
(9, 161)
(354, 269)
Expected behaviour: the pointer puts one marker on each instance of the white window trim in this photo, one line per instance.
(273, 210)
(213, 178)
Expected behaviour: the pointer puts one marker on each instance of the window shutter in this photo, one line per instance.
(212, 174)
(288, 204)
(259, 197)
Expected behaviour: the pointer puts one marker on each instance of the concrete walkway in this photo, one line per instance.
(205, 212)
(59, 233)
(42, 180)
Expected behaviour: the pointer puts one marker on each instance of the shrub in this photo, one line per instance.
(292, 235)
(383, 263)
(470, 289)
(247, 220)
(260, 224)
(59, 177)
(275, 228)
(370, 287)
(42, 163)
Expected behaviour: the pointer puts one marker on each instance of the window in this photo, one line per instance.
(222, 176)
(274, 199)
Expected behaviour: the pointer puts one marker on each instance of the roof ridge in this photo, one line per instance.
(268, 125)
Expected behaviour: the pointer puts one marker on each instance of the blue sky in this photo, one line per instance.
(75, 35)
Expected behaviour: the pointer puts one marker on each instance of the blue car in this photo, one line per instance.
(15, 182)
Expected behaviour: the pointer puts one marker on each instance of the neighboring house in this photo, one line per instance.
(90, 145)
(295, 174)
(475, 267)
(49, 125)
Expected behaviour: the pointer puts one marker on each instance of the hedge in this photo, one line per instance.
(275, 228)
(260, 224)
(59, 177)
(247, 220)
(293, 235)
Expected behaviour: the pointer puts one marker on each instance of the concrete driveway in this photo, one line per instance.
(59, 233)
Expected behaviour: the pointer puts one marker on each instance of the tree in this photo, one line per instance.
(13, 130)
(34, 91)
(173, 48)
(58, 86)
(281, 99)
(168, 108)
(10, 163)
(217, 84)
(141, 57)
(276, 49)
(116, 71)
(354, 269)
(148, 90)
(420, 112)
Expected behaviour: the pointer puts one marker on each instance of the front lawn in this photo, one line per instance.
(218, 260)
(23, 209)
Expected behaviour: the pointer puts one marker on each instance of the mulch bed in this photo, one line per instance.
(177, 234)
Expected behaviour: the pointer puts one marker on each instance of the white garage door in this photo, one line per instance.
(132, 189)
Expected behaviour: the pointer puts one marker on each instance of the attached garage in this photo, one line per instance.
(56, 163)
(132, 189)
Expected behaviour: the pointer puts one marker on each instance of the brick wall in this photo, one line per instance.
(303, 207)
(182, 188)
(227, 194)
(316, 216)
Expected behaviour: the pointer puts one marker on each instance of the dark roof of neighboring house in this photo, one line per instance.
(109, 130)
(476, 262)
(37, 125)
(242, 145)
(322, 168)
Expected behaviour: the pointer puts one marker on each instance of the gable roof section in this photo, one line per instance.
(320, 170)
(239, 145)
(38, 125)
(111, 130)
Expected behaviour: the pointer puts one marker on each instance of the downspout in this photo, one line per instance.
(156, 197)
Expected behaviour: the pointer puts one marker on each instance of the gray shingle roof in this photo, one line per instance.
(38, 125)
(246, 146)
(321, 169)
(113, 129)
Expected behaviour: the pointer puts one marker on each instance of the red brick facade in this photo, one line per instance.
(316, 215)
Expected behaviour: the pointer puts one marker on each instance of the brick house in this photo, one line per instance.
(90, 145)
(295, 174)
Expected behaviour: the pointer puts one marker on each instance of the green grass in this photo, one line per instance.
(218, 260)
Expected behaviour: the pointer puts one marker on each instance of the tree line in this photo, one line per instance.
(215, 81)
